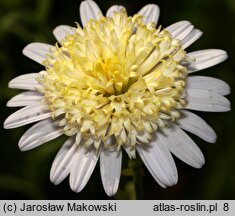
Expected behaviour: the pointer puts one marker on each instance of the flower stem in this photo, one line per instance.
(137, 168)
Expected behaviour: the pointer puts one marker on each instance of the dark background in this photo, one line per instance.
(25, 175)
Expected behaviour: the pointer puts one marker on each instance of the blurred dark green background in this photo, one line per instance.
(25, 175)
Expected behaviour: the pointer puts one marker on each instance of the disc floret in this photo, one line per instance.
(116, 79)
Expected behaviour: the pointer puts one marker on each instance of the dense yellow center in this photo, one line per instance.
(116, 79)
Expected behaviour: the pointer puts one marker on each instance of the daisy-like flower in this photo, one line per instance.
(118, 83)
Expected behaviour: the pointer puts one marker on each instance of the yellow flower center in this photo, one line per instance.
(115, 81)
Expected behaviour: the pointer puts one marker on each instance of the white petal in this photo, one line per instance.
(150, 13)
(37, 51)
(177, 25)
(194, 35)
(110, 169)
(183, 32)
(61, 31)
(208, 83)
(25, 99)
(39, 134)
(83, 165)
(63, 161)
(203, 100)
(205, 59)
(157, 158)
(25, 81)
(130, 151)
(182, 146)
(27, 115)
(179, 28)
(113, 9)
(196, 125)
(89, 10)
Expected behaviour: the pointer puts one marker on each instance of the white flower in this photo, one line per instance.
(116, 83)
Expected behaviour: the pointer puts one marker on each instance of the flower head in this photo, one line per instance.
(118, 82)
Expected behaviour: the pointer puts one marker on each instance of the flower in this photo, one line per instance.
(118, 83)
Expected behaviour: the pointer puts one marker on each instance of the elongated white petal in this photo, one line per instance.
(63, 161)
(179, 28)
(208, 83)
(61, 31)
(157, 158)
(113, 9)
(204, 100)
(176, 25)
(25, 99)
(182, 146)
(89, 10)
(37, 51)
(130, 151)
(27, 115)
(194, 35)
(196, 125)
(205, 59)
(25, 81)
(83, 165)
(110, 169)
(39, 134)
(150, 13)
(182, 33)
